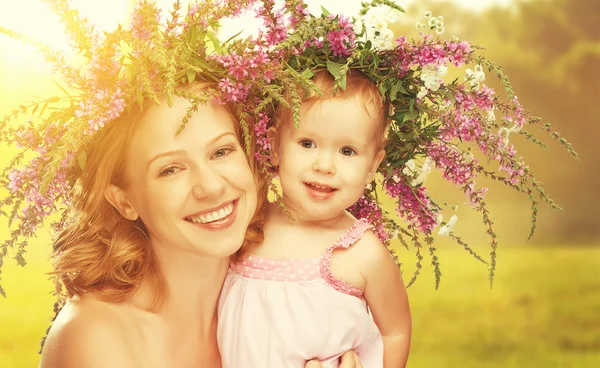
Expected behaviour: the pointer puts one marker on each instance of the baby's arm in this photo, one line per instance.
(387, 298)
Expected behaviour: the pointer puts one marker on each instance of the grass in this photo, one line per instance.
(541, 312)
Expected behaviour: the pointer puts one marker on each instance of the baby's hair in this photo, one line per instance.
(358, 86)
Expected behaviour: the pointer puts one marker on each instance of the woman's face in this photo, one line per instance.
(194, 191)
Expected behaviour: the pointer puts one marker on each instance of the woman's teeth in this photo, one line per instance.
(213, 216)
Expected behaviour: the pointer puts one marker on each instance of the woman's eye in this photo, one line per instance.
(222, 152)
(307, 143)
(169, 171)
(346, 151)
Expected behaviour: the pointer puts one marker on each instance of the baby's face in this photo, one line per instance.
(325, 164)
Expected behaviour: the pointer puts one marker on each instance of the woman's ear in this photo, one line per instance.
(115, 196)
(374, 166)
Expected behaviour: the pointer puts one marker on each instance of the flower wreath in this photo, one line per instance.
(434, 125)
(461, 128)
(115, 71)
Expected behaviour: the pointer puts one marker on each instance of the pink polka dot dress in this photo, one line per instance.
(282, 313)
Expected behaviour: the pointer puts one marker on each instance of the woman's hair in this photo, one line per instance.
(100, 251)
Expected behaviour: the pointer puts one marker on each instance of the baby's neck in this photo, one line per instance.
(297, 218)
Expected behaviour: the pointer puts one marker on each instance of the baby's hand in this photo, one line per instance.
(349, 360)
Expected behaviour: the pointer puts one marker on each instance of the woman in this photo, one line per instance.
(159, 215)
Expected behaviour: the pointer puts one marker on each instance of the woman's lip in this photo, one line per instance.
(204, 212)
(223, 223)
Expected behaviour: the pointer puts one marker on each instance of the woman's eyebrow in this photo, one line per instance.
(166, 154)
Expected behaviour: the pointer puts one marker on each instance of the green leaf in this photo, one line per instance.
(61, 87)
(411, 115)
(334, 68)
(215, 41)
(403, 89)
(382, 88)
(325, 11)
(307, 73)
(396, 84)
(191, 75)
(342, 82)
(193, 36)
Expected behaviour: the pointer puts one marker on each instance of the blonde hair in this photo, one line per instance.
(357, 85)
(99, 251)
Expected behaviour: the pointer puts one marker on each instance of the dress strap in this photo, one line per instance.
(354, 234)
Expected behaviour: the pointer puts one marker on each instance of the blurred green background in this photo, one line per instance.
(543, 308)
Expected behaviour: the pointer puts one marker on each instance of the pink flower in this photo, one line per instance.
(368, 208)
(413, 204)
(342, 41)
(262, 139)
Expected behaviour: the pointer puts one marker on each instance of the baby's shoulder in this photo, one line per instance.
(361, 248)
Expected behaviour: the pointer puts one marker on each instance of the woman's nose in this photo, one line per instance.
(208, 182)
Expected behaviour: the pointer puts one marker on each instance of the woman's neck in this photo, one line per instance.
(193, 285)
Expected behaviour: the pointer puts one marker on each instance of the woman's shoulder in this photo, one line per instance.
(89, 332)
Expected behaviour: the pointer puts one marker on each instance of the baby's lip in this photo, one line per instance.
(320, 186)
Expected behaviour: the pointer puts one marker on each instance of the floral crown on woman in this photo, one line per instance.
(461, 127)
(117, 71)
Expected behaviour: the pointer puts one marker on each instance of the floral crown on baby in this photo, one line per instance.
(461, 127)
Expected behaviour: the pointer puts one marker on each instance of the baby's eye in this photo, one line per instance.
(347, 151)
(222, 152)
(171, 170)
(307, 143)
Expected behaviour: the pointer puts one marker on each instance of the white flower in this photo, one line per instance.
(447, 229)
(491, 117)
(439, 218)
(419, 25)
(431, 75)
(422, 93)
(379, 16)
(505, 132)
(409, 168)
(444, 231)
(468, 157)
(358, 26)
(384, 41)
(425, 171)
(475, 76)
(439, 30)
(376, 27)
(436, 22)
(433, 22)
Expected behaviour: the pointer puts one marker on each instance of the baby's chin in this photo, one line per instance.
(321, 215)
